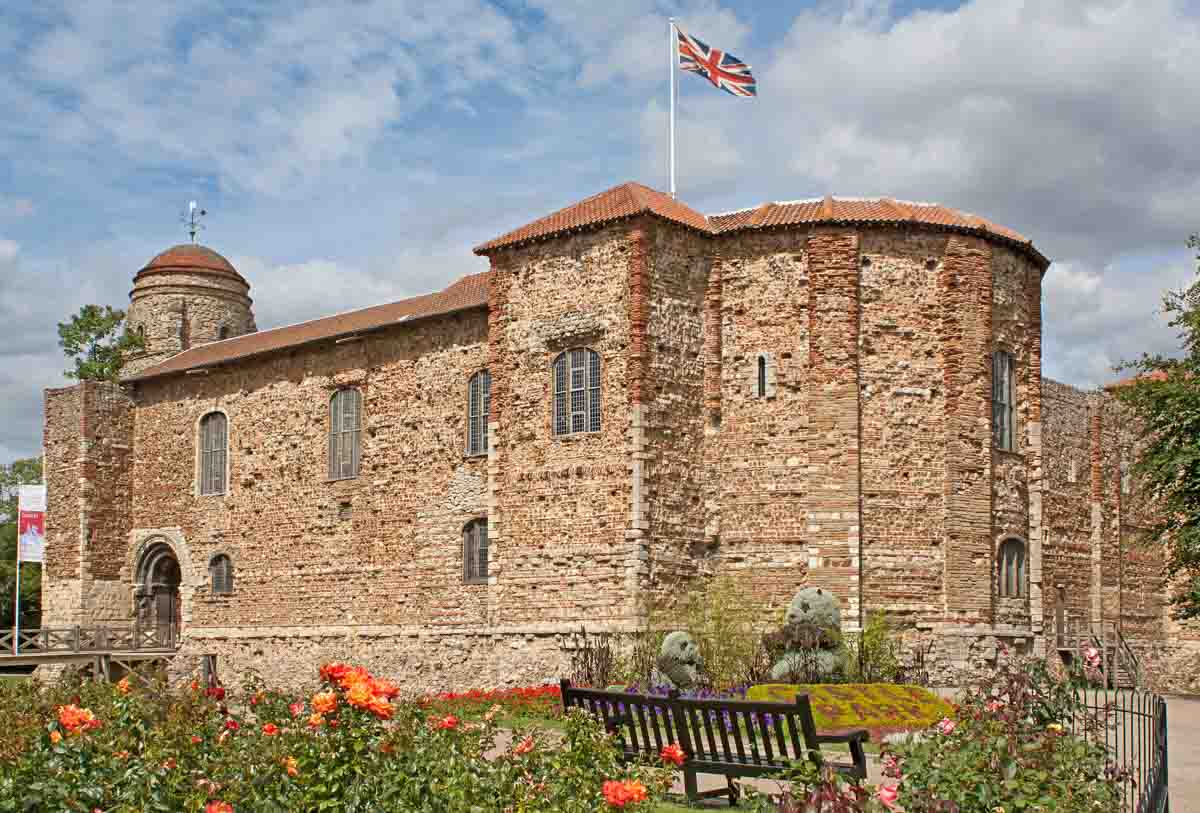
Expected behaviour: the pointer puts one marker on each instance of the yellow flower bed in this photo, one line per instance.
(881, 708)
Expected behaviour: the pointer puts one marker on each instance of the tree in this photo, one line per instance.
(20, 472)
(97, 341)
(1165, 398)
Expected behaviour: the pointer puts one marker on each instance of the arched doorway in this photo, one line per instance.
(158, 594)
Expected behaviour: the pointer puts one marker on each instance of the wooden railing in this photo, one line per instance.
(77, 639)
(1121, 665)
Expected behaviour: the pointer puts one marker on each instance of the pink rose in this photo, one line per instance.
(994, 706)
(887, 794)
(947, 726)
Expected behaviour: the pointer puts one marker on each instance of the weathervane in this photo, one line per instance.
(192, 219)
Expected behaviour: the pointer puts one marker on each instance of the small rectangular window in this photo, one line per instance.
(475, 552)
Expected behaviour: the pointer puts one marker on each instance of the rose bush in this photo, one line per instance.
(350, 746)
(1010, 747)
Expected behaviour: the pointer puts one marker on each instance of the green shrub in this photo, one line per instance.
(1009, 747)
(75, 746)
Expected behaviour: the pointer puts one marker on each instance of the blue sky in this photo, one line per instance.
(352, 153)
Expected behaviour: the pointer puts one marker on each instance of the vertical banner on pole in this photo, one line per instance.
(31, 523)
(31, 537)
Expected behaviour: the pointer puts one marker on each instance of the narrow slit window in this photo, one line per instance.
(577, 392)
(1012, 569)
(214, 439)
(1002, 400)
(762, 377)
(475, 552)
(345, 425)
(479, 398)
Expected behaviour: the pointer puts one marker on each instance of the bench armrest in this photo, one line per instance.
(861, 735)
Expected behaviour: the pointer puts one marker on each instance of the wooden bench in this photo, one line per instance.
(732, 738)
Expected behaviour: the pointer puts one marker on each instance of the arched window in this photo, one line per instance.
(1012, 568)
(479, 404)
(345, 421)
(220, 574)
(1002, 400)
(761, 387)
(577, 391)
(214, 440)
(475, 552)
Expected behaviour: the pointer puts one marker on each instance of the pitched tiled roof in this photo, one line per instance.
(631, 199)
(1153, 375)
(190, 257)
(468, 292)
(619, 203)
(870, 211)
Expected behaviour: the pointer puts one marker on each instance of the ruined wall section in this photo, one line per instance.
(1067, 513)
(671, 406)
(757, 447)
(565, 502)
(384, 548)
(903, 426)
(88, 437)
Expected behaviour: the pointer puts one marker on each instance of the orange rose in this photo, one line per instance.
(619, 794)
(324, 702)
(354, 677)
(333, 672)
(55, 737)
(123, 686)
(77, 720)
(293, 769)
(270, 729)
(672, 753)
(524, 746)
(218, 807)
(384, 688)
(380, 708)
(358, 696)
(316, 720)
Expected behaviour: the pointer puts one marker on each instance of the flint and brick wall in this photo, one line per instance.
(867, 467)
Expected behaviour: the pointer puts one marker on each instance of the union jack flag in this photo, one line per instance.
(721, 68)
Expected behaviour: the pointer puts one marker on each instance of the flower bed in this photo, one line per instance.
(350, 746)
(517, 706)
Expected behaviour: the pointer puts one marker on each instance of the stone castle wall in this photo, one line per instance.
(866, 466)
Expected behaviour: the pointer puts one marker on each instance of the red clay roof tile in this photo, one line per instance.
(189, 257)
(468, 292)
(621, 202)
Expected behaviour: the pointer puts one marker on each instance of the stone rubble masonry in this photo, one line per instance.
(866, 468)
(180, 309)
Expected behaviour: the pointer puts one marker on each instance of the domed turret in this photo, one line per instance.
(187, 295)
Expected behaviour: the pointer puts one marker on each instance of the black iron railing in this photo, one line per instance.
(1133, 729)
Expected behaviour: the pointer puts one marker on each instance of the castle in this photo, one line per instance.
(843, 393)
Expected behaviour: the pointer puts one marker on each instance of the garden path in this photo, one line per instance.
(1183, 752)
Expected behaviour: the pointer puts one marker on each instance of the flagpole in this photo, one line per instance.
(673, 53)
(17, 597)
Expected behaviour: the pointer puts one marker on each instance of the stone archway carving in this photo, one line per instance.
(163, 581)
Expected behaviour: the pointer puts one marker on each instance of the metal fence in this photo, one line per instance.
(1132, 727)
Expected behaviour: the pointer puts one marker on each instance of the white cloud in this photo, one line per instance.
(1094, 319)
(1071, 120)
